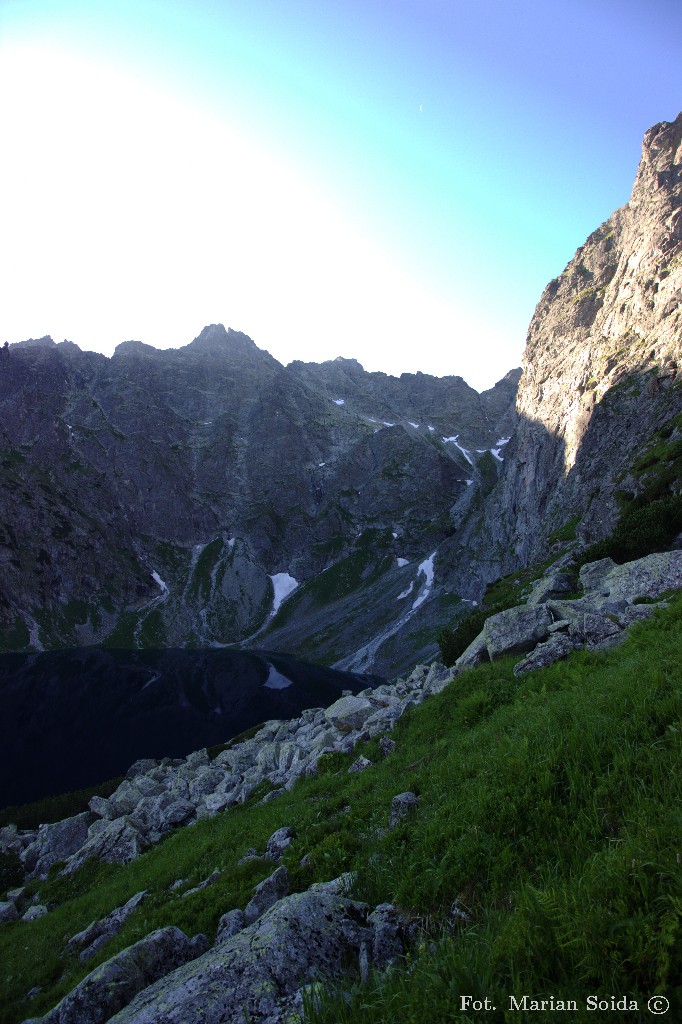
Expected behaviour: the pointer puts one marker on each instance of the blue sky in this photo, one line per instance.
(394, 182)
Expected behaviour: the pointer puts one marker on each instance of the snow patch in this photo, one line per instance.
(339, 401)
(321, 464)
(402, 561)
(433, 429)
(415, 425)
(406, 593)
(426, 567)
(387, 424)
(283, 585)
(468, 482)
(159, 582)
(453, 440)
(275, 680)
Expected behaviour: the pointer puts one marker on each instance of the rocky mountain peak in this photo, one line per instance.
(601, 365)
(216, 340)
(661, 162)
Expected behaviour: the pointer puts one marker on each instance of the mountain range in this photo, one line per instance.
(209, 496)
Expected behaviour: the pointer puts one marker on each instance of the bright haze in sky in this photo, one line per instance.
(394, 182)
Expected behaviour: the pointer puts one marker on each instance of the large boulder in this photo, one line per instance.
(55, 843)
(647, 577)
(116, 842)
(349, 713)
(516, 630)
(255, 974)
(114, 983)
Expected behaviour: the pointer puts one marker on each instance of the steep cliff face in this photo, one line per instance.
(601, 370)
(167, 497)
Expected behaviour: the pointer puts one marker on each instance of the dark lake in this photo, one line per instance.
(70, 719)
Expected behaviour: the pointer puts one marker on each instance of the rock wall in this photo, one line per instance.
(601, 373)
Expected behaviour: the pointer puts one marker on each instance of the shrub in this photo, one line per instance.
(640, 530)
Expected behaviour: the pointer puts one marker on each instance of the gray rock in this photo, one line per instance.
(636, 613)
(554, 584)
(278, 842)
(273, 794)
(34, 912)
(266, 893)
(211, 880)
(113, 984)
(437, 679)
(97, 934)
(386, 941)
(387, 745)
(592, 575)
(359, 764)
(255, 974)
(56, 842)
(340, 886)
(646, 577)
(116, 842)
(141, 767)
(474, 654)
(229, 924)
(8, 911)
(350, 712)
(591, 628)
(401, 806)
(516, 630)
(558, 646)
(250, 854)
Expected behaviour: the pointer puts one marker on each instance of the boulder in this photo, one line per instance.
(473, 655)
(116, 842)
(350, 712)
(359, 764)
(34, 912)
(387, 944)
(387, 745)
(56, 842)
(229, 924)
(558, 646)
(266, 893)
(114, 983)
(8, 911)
(278, 842)
(256, 974)
(646, 577)
(592, 575)
(402, 805)
(516, 630)
(97, 934)
(141, 767)
(554, 584)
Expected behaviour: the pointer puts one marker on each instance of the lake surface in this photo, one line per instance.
(70, 719)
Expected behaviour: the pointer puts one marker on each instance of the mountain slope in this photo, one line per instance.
(601, 376)
(164, 497)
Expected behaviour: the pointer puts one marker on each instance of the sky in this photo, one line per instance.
(393, 182)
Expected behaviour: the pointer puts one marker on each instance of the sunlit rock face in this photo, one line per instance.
(601, 364)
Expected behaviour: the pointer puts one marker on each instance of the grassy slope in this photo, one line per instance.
(550, 808)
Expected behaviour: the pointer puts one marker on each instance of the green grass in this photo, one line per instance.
(550, 809)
